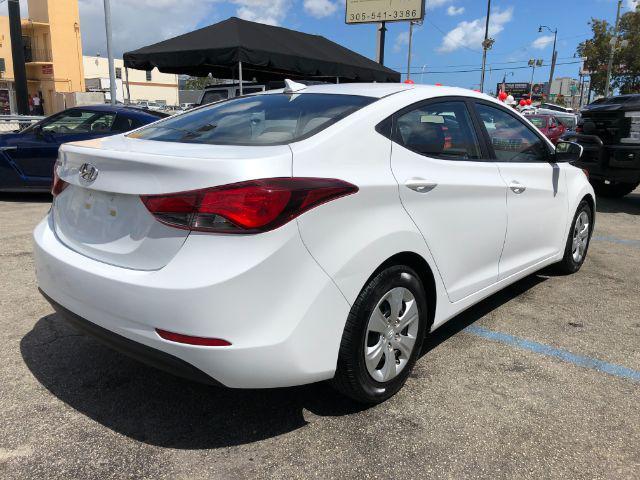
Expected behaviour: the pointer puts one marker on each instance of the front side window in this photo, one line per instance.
(79, 121)
(440, 130)
(512, 139)
(272, 119)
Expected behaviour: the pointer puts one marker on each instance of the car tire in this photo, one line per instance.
(374, 362)
(578, 239)
(613, 189)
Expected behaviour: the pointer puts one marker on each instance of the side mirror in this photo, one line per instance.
(568, 151)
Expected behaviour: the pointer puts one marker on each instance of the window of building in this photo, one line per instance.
(118, 72)
(512, 139)
(440, 130)
(148, 72)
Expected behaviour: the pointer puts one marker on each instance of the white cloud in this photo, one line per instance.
(471, 34)
(271, 12)
(320, 8)
(137, 23)
(401, 40)
(431, 4)
(452, 11)
(632, 4)
(542, 42)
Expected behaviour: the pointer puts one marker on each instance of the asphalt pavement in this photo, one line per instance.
(541, 380)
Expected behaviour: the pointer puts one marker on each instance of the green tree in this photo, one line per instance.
(625, 73)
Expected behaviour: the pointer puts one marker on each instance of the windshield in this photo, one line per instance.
(272, 119)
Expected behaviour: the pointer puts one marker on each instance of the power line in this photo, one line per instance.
(426, 72)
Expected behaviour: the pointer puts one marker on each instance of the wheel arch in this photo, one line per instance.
(592, 204)
(425, 274)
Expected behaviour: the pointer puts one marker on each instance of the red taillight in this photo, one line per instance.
(58, 184)
(245, 207)
(191, 340)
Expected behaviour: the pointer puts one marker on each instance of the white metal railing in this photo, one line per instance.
(10, 123)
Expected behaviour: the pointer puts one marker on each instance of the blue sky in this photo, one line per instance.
(449, 39)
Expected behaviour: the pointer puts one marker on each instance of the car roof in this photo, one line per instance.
(120, 108)
(380, 90)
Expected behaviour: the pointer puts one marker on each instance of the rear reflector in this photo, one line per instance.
(246, 207)
(190, 340)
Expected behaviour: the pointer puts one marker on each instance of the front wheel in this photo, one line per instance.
(613, 189)
(383, 336)
(578, 240)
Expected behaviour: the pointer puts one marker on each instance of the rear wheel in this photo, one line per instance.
(613, 189)
(578, 240)
(383, 336)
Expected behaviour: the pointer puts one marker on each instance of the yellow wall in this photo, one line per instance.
(54, 28)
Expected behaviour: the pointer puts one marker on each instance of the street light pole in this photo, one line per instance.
(486, 45)
(554, 56)
(614, 42)
(112, 73)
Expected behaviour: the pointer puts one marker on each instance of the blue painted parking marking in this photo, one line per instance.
(620, 241)
(582, 361)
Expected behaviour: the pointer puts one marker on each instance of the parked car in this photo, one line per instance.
(549, 125)
(27, 157)
(318, 233)
(609, 132)
(223, 91)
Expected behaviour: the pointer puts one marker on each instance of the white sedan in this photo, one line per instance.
(316, 233)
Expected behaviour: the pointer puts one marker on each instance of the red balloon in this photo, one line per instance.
(477, 90)
(529, 102)
(438, 84)
(523, 103)
(502, 96)
(409, 81)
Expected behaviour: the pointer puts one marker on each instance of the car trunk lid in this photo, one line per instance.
(104, 218)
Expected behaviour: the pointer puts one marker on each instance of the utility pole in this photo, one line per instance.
(614, 42)
(409, 54)
(112, 73)
(411, 24)
(17, 55)
(487, 43)
(381, 31)
(554, 57)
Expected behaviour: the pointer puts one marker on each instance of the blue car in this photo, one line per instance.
(27, 157)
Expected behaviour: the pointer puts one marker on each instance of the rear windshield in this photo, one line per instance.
(540, 122)
(272, 119)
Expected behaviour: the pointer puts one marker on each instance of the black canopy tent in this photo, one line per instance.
(236, 48)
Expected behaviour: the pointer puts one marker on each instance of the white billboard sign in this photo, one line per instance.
(374, 11)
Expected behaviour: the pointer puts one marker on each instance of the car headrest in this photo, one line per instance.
(426, 138)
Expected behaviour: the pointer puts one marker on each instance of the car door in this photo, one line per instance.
(35, 150)
(451, 189)
(536, 196)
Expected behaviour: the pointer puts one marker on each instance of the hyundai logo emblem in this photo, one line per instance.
(88, 172)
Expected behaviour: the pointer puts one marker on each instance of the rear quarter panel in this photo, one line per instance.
(351, 236)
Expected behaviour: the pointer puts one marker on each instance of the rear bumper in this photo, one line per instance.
(150, 356)
(264, 293)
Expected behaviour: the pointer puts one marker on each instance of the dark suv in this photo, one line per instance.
(609, 131)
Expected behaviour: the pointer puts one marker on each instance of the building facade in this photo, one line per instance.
(140, 86)
(53, 54)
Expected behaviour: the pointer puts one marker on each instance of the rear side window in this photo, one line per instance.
(440, 130)
(272, 119)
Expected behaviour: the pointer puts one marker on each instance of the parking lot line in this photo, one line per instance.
(621, 241)
(580, 360)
